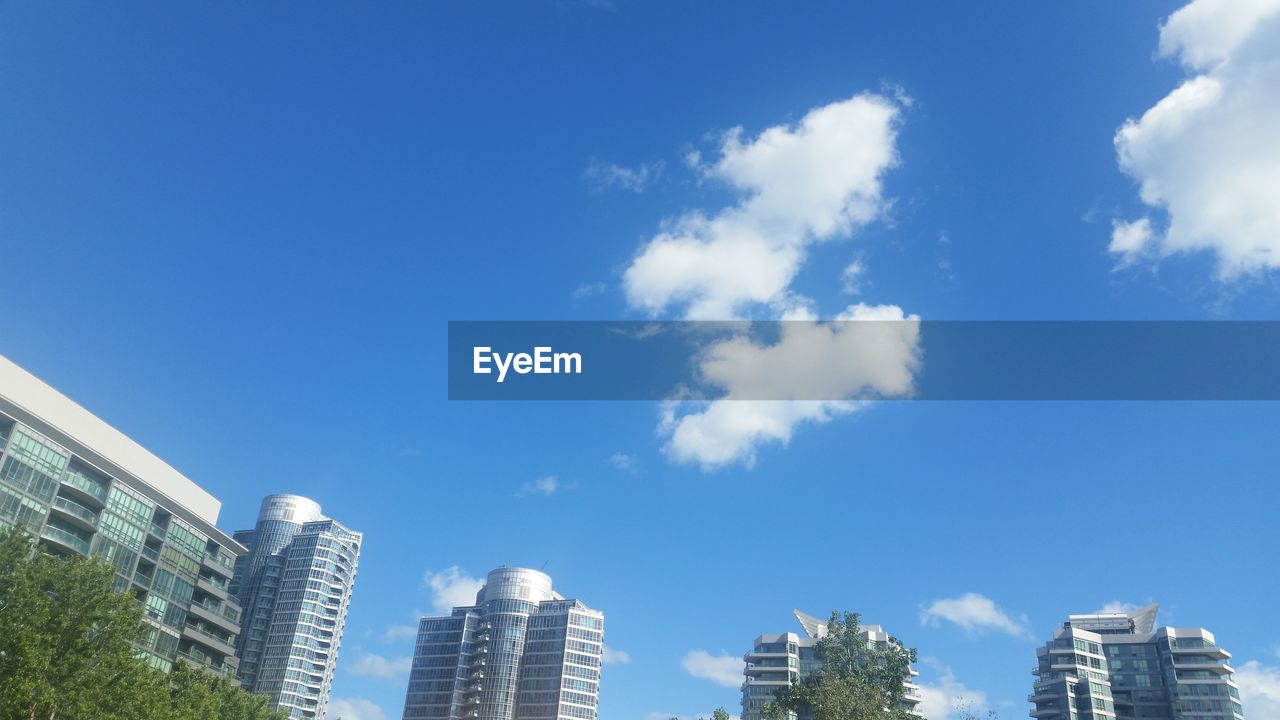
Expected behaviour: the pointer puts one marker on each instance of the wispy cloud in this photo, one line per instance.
(614, 656)
(399, 632)
(974, 612)
(452, 587)
(377, 666)
(723, 669)
(623, 461)
(544, 486)
(587, 290)
(354, 709)
(604, 175)
(1117, 606)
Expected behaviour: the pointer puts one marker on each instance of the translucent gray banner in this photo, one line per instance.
(864, 360)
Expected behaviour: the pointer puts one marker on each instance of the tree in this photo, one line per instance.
(67, 653)
(66, 638)
(855, 679)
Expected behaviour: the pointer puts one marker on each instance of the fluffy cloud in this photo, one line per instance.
(722, 669)
(807, 376)
(354, 709)
(614, 656)
(817, 180)
(1207, 154)
(974, 612)
(376, 666)
(945, 698)
(452, 587)
(542, 486)
(1259, 689)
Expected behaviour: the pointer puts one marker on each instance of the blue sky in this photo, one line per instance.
(237, 231)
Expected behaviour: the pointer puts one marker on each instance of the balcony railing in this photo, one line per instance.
(74, 508)
(63, 537)
(85, 485)
(212, 636)
(204, 662)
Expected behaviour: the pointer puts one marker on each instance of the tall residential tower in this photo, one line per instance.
(777, 661)
(82, 487)
(295, 585)
(1120, 665)
(522, 652)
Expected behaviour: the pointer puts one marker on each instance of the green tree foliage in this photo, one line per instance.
(856, 679)
(66, 649)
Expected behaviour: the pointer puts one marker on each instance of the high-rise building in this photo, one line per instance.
(522, 652)
(82, 487)
(778, 661)
(295, 585)
(1120, 665)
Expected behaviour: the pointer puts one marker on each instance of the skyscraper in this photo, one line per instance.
(522, 652)
(777, 661)
(295, 585)
(82, 487)
(1119, 665)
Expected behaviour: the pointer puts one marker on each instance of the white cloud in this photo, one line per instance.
(353, 709)
(399, 632)
(1259, 689)
(945, 698)
(1207, 154)
(723, 669)
(587, 290)
(603, 175)
(809, 373)
(613, 656)
(542, 486)
(1129, 240)
(816, 180)
(376, 666)
(452, 587)
(974, 612)
(851, 277)
(1116, 606)
(623, 461)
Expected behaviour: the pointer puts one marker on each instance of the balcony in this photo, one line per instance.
(223, 645)
(75, 512)
(206, 663)
(219, 562)
(220, 615)
(217, 586)
(157, 530)
(86, 487)
(66, 539)
(142, 579)
(151, 553)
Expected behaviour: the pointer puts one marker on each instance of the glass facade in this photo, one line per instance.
(178, 571)
(522, 652)
(295, 584)
(1117, 665)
